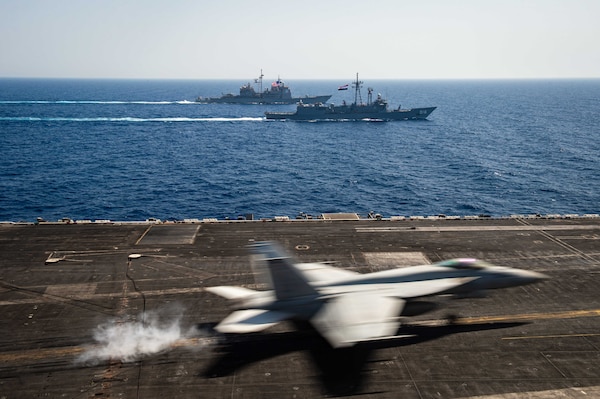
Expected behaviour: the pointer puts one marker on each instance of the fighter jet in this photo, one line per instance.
(345, 307)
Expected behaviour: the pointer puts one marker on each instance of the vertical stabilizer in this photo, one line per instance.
(279, 269)
(262, 276)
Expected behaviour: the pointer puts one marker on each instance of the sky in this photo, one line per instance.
(300, 39)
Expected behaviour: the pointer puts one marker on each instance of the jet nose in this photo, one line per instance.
(528, 277)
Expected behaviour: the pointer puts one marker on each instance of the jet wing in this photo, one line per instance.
(348, 319)
(250, 320)
(402, 290)
(317, 273)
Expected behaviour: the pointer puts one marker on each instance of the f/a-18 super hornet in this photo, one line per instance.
(347, 307)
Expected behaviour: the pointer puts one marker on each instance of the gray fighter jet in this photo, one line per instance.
(347, 307)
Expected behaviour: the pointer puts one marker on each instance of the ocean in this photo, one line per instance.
(129, 150)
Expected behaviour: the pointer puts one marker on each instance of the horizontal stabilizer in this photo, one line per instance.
(349, 319)
(231, 292)
(250, 320)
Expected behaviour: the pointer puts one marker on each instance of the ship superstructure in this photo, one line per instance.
(277, 93)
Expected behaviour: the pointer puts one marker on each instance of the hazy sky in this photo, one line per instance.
(234, 39)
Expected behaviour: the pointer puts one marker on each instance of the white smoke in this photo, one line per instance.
(153, 333)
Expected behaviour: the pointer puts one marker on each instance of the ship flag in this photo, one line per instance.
(343, 87)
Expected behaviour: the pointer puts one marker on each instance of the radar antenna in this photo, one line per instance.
(357, 85)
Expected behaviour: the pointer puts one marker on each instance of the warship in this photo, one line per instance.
(279, 93)
(373, 110)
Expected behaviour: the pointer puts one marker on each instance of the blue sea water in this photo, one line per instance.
(131, 150)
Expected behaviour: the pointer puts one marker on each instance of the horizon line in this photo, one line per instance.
(307, 79)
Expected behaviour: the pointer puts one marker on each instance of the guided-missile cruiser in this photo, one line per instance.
(279, 93)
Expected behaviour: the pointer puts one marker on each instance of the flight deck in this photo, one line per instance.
(108, 309)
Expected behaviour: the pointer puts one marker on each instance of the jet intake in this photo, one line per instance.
(415, 308)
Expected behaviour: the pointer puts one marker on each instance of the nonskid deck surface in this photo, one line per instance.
(133, 285)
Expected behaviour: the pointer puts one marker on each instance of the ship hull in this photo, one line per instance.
(263, 100)
(329, 114)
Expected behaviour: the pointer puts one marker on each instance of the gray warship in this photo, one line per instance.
(279, 93)
(373, 110)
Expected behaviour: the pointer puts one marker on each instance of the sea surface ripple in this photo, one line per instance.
(131, 150)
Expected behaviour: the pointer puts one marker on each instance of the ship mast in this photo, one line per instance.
(260, 79)
(357, 85)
